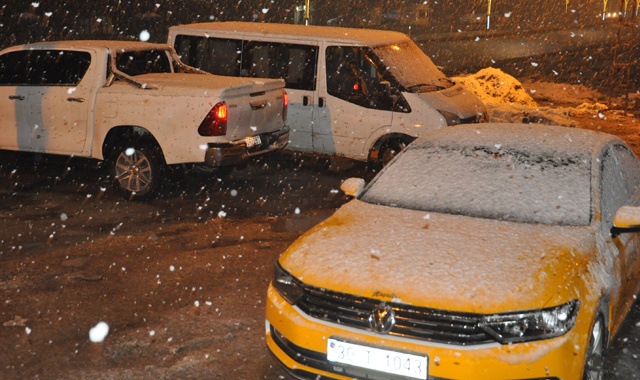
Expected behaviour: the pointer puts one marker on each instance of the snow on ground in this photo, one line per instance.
(509, 100)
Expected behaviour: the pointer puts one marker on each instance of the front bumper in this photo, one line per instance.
(238, 151)
(299, 343)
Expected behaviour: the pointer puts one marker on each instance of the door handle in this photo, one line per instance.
(17, 97)
(79, 100)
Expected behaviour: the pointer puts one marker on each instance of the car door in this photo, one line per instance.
(621, 186)
(45, 104)
(356, 104)
(13, 75)
(55, 110)
(297, 64)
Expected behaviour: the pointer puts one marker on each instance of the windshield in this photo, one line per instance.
(411, 67)
(488, 182)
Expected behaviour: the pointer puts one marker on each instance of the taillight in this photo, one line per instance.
(285, 105)
(215, 123)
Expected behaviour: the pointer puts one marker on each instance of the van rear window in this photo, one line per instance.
(295, 63)
(214, 55)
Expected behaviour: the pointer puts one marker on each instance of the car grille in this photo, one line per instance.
(410, 322)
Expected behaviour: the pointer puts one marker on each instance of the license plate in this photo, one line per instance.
(397, 363)
(251, 141)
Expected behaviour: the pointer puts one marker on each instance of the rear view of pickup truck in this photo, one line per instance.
(137, 107)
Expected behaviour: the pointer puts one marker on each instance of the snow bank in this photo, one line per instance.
(509, 101)
(495, 87)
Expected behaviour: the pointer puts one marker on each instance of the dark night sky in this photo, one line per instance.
(21, 21)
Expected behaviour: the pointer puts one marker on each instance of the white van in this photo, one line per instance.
(357, 93)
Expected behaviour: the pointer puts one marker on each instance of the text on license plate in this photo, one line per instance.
(397, 363)
(251, 141)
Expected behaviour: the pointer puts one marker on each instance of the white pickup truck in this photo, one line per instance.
(136, 106)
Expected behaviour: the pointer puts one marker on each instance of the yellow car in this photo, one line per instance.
(497, 251)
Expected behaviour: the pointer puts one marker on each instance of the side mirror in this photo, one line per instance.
(352, 186)
(626, 219)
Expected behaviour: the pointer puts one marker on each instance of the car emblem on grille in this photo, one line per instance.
(382, 319)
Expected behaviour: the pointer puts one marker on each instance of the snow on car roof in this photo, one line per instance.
(529, 137)
(371, 37)
(93, 44)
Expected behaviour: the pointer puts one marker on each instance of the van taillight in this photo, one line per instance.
(215, 123)
(285, 105)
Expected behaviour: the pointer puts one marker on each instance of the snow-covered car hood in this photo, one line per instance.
(436, 260)
(457, 100)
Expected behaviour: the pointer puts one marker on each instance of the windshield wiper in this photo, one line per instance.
(424, 87)
(437, 85)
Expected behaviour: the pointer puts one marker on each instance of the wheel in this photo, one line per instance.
(594, 365)
(137, 169)
(389, 150)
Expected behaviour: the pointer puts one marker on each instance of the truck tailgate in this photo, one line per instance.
(255, 105)
(256, 111)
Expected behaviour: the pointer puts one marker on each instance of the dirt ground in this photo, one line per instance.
(180, 280)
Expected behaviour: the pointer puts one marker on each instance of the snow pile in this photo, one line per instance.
(509, 101)
(495, 87)
(594, 108)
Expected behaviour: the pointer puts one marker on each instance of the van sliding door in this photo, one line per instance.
(358, 104)
(297, 64)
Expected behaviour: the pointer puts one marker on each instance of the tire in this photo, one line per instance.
(594, 363)
(137, 169)
(389, 150)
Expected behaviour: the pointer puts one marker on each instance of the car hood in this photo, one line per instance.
(457, 100)
(440, 261)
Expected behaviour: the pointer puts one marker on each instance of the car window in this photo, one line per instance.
(143, 62)
(43, 67)
(620, 182)
(295, 63)
(490, 182)
(353, 76)
(215, 55)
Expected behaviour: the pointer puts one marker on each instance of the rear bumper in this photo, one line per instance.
(237, 152)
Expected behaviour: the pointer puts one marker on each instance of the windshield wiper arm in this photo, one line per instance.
(425, 87)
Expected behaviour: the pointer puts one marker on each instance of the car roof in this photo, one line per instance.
(369, 37)
(527, 137)
(92, 44)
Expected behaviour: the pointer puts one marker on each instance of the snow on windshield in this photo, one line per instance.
(402, 59)
(488, 182)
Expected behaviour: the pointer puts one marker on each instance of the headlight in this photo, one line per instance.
(286, 285)
(451, 118)
(532, 325)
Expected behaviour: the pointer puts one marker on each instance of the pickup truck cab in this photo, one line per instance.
(136, 106)
(357, 93)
